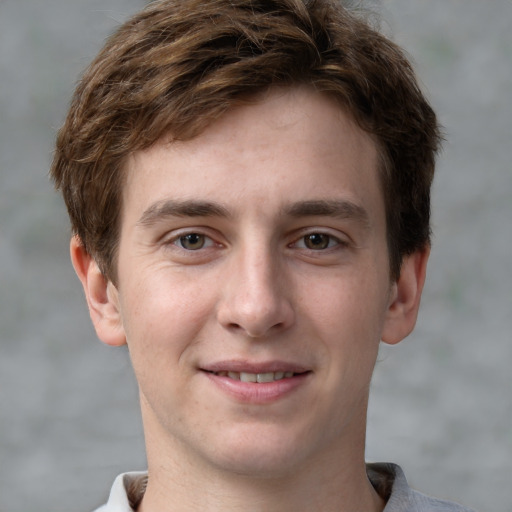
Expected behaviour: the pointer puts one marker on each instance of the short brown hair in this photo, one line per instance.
(178, 65)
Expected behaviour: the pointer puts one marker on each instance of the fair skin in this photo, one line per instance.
(256, 250)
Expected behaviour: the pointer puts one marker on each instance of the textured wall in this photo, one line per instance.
(441, 401)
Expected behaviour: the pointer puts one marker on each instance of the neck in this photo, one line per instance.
(335, 481)
(171, 492)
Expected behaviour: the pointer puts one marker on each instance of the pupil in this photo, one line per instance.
(317, 241)
(192, 241)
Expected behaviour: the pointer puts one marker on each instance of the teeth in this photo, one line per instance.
(256, 377)
(265, 377)
(248, 377)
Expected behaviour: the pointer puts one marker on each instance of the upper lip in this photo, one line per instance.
(237, 365)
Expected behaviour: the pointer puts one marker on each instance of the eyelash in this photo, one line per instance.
(180, 240)
(317, 237)
(323, 241)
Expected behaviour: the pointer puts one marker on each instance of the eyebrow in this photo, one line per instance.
(338, 208)
(174, 208)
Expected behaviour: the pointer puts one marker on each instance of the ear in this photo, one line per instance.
(102, 296)
(405, 298)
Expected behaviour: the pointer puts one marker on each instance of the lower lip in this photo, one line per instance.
(263, 393)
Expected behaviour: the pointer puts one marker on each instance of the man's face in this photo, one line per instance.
(256, 251)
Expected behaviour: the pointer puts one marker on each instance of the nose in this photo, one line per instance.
(256, 299)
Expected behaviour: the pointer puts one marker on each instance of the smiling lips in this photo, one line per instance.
(256, 377)
(257, 384)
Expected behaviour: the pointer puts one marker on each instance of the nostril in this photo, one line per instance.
(256, 310)
(256, 331)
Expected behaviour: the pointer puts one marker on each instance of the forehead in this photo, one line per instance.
(289, 144)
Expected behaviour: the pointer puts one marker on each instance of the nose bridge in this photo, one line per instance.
(256, 300)
(259, 270)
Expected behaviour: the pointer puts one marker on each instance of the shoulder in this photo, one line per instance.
(390, 482)
(126, 492)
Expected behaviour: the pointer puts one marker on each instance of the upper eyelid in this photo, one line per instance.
(177, 233)
(176, 241)
(339, 241)
(332, 232)
(218, 238)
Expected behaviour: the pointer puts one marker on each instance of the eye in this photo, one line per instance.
(193, 241)
(317, 241)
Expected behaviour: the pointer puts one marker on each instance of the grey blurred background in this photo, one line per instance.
(442, 400)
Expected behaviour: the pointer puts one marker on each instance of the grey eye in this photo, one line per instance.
(192, 241)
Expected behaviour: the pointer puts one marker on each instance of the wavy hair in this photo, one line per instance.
(178, 65)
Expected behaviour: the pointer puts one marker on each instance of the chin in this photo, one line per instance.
(257, 466)
(261, 454)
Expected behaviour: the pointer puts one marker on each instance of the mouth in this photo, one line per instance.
(259, 378)
(257, 383)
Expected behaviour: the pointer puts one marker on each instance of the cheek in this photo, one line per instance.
(163, 315)
(164, 319)
(349, 303)
(347, 315)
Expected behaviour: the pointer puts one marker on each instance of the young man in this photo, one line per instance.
(248, 183)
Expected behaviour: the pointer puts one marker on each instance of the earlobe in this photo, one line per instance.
(405, 298)
(101, 294)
